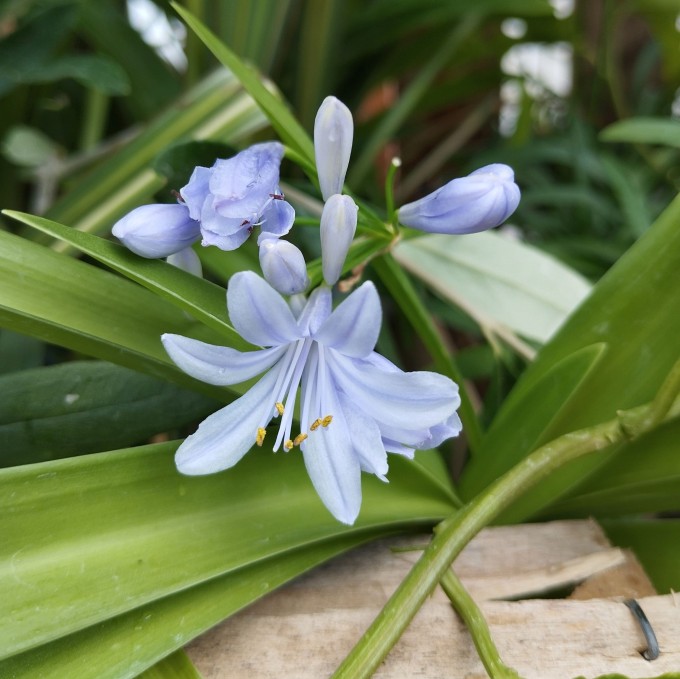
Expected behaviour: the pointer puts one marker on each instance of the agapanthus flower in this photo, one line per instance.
(355, 405)
(480, 201)
(220, 205)
(333, 133)
(283, 266)
(337, 228)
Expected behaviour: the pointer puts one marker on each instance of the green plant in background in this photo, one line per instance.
(551, 357)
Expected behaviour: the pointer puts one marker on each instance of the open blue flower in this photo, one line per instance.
(355, 406)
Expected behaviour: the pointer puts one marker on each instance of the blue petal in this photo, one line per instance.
(333, 132)
(225, 242)
(316, 311)
(418, 400)
(218, 365)
(353, 328)
(187, 260)
(337, 229)
(283, 266)
(366, 439)
(156, 231)
(196, 191)
(259, 313)
(227, 435)
(333, 468)
(276, 220)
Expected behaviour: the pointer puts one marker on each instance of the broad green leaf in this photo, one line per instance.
(102, 651)
(279, 116)
(89, 538)
(635, 311)
(87, 407)
(644, 130)
(64, 301)
(497, 280)
(656, 542)
(175, 666)
(203, 299)
(18, 352)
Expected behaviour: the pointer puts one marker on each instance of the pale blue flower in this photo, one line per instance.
(480, 201)
(155, 231)
(333, 132)
(337, 229)
(220, 205)
(283, 266)
(355, 406)
(187, 260)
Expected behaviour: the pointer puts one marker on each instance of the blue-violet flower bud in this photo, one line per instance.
(187, 260)
(283, 266)
(480, 201)
(157, 230)
(333, 131)
(338, 225)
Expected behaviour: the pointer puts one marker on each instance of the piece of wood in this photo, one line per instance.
(306, 628)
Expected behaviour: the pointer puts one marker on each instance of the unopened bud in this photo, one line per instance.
(338, 225)
(333, 132)
(283, 266)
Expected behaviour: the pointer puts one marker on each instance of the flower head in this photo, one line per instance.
(480, 201)
(355, 406)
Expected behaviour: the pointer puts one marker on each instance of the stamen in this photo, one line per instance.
(288, 444)
(326, 420)
(279, 407)
(316, 424)
(299, 439)
(261, 433)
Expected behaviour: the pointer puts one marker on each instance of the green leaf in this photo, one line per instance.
(281, 119)
(635, 311)
(656, 542)
(102, 651)
(644, 130)
(203, 299)
(89, 538)
(497, 280)
(67, 302)
(175, 666)
(28, 147)
(18, 352)
(87, 407)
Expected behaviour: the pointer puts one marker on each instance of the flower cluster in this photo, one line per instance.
(355, 406)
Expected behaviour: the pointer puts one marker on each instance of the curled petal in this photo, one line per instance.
(417, 400)
(218, 365)
(196, 191)
(333, 132)
(242, 186)
(283, 266)
(187, 260)
(259, 313)
(480, 201)
(354, 326)
(156, 231)
(276, 220)
(227, 435)
(338, 225)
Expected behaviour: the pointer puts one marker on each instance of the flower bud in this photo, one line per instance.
(480, 201)
(187, 260)
(338, 225)
(283, 266)
(155, 231)
(333, 131)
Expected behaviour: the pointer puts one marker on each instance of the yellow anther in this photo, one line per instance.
(288, 444)
(261, 433)
(326, 420)
(299, 439)
(279, 408)
(316, 424)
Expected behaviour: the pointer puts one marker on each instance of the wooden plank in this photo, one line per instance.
(305, 629)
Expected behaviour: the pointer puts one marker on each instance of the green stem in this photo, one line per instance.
(474, 620)
(454, 533)
(401, 289)
(395, 164)
(96, 106)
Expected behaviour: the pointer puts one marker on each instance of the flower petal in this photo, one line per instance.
(155, 231)
(227, 435)
(259, 313)
(196, 191)
(283, 266)
(187, 260)
(276, 220)
(337, 229)
(419, 400)
(354, 326)
(333, 132)
(218, 365)
(333, 468)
